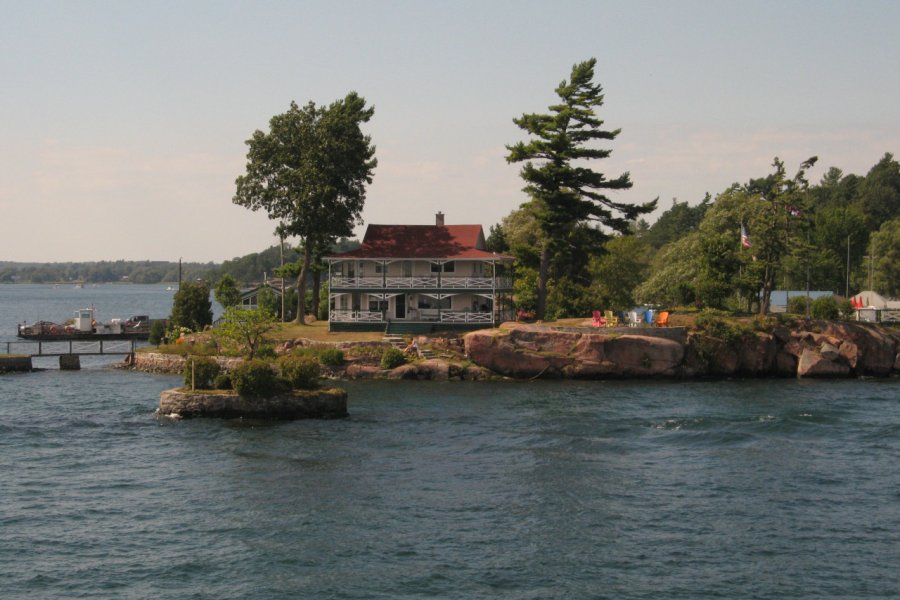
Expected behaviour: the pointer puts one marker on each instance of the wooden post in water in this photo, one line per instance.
(69, 362)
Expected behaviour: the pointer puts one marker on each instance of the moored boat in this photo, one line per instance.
(86, 327)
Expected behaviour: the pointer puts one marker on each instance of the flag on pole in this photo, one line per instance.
(745, 237)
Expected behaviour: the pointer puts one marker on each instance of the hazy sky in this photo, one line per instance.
(123, 122)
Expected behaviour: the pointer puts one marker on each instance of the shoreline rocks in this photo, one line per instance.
(519, 351)
(826, 349)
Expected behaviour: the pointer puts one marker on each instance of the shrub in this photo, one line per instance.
(392, 358)
(157, 332)
(715, 326)
(797, 305)
(301, 371)
(222, 382)
(256, 378)
(846, 309)
(202, 371)
(333, 357)
(266, 352)
(825, 308)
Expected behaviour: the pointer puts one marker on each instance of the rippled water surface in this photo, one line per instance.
(733, 489)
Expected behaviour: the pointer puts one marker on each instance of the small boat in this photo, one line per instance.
(85, 327)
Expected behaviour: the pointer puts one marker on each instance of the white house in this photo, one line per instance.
(417, 278)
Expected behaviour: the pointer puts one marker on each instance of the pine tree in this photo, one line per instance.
(565, 191)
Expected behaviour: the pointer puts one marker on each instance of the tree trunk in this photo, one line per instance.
(766, 291)
(542, 282)
(317, 286)
(301, 284)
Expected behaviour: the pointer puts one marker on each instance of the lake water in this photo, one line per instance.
(729, 489)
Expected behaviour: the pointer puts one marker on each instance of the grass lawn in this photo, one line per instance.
(318, 331)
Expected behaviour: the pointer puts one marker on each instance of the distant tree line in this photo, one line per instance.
(246, 270)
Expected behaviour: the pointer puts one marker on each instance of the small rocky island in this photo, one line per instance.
(253, 389)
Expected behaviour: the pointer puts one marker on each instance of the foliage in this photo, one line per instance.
(884, 246)
(266, 352)
(680, 220)
(226, 291)
(157, 332)
(333, 357)
(825, 308)
(309, 173)
(714, 325)
(255, 378)
(303, 372)
(392, 358)
(268, 301)
(202, 370)
(565, 193)
(245, 328)
(222, 382)
(191, 306)
(673, 274)
(618, 273)
(797, 305)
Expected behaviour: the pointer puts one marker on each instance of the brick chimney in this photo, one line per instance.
(439, 219)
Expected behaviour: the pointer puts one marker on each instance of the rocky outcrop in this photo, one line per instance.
(299, 404)
(157, 362)
(527, 352)
(823, 350)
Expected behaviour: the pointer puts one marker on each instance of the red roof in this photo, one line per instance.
(422, 241)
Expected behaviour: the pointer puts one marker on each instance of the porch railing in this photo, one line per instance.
(356, 316)
(409, 283)
(452, 316)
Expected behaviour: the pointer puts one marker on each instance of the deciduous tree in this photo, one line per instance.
(310, 172)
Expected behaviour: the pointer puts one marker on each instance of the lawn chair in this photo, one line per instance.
(663, 320)
(649, 317)
(611, 319)
(634, 319)
(597, 320)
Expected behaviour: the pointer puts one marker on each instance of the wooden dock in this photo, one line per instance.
(69, 351)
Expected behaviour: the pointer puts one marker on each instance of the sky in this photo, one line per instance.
(122, 123)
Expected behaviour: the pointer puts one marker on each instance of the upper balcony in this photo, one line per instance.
(442, 282)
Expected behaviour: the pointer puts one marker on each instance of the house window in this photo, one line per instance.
(376, 305)
(380, 268)
(449, 267)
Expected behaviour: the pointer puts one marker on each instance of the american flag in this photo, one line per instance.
(745, 236)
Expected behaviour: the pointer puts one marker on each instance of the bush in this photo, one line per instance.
(266, 352)
(157, 332)
(715, 326)
(256, 378)
(797, 305)
(301, 371)
(846, 309)
(202, 370)
(222, 382)
(333, 357)
(825, 308)
(392, 358)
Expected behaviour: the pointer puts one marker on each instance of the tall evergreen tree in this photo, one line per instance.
(565, 191)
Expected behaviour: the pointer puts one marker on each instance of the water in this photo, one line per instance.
(750, 489)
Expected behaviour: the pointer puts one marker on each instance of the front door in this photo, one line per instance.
(400, 306)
